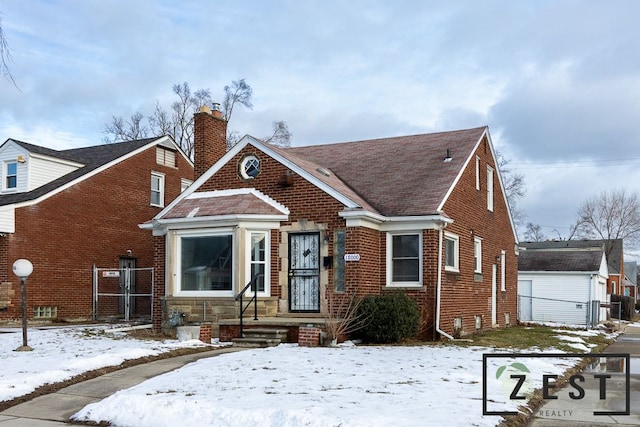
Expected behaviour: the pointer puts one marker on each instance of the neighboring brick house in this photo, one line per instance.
(69, 210)
(423, 214)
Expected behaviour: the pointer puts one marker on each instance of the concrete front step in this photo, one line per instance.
(260, 337)
(265, 333)
(255, 342)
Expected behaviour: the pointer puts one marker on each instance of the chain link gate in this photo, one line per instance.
(123, 293)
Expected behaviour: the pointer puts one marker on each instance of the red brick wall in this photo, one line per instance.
(93, 222)
(304, 200)
(308, 336)
(209, 141)
(461, 295)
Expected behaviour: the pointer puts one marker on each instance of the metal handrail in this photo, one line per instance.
(254, 298)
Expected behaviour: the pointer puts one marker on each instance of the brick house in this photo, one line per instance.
(69, 210)
(422, 214)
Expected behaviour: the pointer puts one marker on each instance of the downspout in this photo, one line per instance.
(439, 286)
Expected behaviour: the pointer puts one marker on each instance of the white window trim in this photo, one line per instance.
(160, 176)
(184, 184)
(267, 262)
(178, 262)
(477, 173)
(477, 254)
(456, 255)
(490, 188)
(390, 283)
(243, 165)
(5, 175)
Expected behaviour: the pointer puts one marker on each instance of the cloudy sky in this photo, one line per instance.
(557, 82)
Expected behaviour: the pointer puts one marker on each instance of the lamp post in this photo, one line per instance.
(23, 269)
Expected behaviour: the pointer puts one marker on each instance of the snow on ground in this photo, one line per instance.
(61, 353)
(281, 386)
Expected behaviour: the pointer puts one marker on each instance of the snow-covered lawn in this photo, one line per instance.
(280, 386)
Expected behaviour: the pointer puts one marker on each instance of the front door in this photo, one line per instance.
(126, 304)
(304, 272)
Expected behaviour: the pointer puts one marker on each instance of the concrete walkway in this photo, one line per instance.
(579, 413)
(55, 409)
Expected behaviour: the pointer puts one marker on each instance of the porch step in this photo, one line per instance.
(265, 333)
(255, 342)
(260, 337)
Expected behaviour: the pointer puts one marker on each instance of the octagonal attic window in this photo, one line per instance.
(250, 167)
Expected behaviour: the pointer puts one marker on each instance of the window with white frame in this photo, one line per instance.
(206, 263)
(490, 188)
(477, 173)
(184, 184)
(10, 175)
(157, 189)
(477, 254)
(258, 260)
(165, 157)
(451, 252)
(404, 259)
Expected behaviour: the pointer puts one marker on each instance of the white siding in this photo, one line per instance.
(45, 170)
(10, 153)
(560, 298)
(7, 219)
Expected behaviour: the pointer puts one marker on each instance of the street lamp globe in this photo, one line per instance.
(22, 268)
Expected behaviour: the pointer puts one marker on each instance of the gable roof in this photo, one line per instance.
(561, 260)
(224, 203)
(614, 248)
(399, 176)
(92, 158)
(381, 181)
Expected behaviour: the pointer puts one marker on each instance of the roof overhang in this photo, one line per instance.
(362, 218)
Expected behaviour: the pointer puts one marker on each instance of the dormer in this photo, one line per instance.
(25, 167)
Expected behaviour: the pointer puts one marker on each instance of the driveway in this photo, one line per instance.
(566, 411)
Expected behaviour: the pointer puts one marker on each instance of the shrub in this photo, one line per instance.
(391, 318)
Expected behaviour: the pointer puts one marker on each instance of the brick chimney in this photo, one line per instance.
(209, 139)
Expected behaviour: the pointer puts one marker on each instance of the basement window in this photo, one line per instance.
(45, 312)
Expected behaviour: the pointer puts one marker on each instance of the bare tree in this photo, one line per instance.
(238, 93)
(280, 136)
(514, 188)
(178, 120)
(534, 233)
(611, 215)
(123, 130)
(5, 56)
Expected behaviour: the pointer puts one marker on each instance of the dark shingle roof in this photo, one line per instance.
(560, 260)
(400, 176)
(91, 157)
(613, 249)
